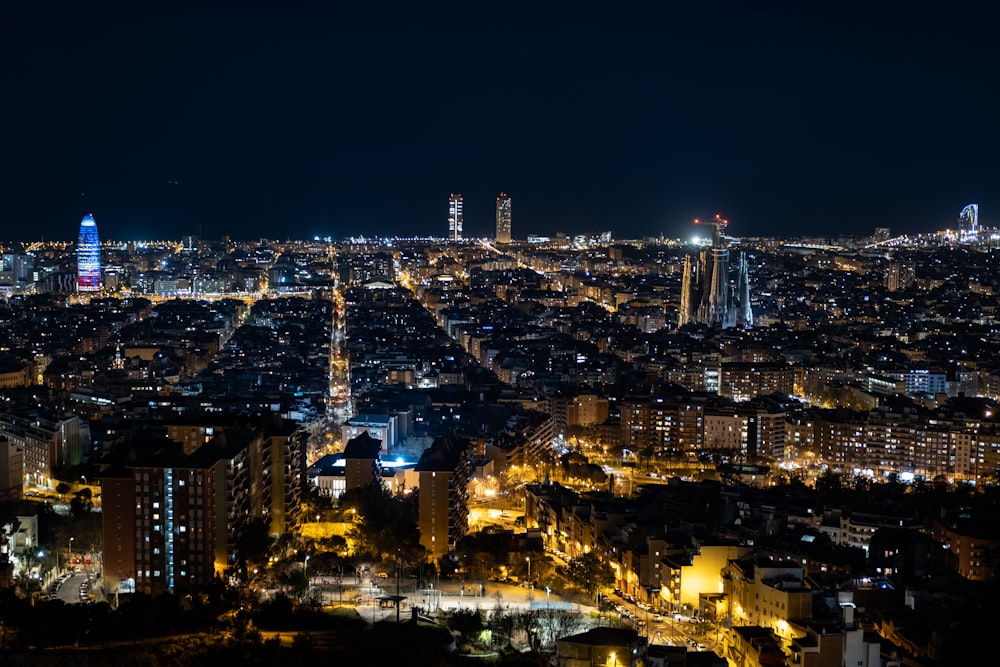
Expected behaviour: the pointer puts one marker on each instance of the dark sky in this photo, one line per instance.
(804, 117)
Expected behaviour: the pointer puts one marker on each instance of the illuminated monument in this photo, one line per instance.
(503, 218)
(88, 256)
(706, 294)
(455, 217)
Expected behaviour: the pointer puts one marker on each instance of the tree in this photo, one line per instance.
(81, 503)
(829, 482)
(501, 623)
(62, 488)
(558, 623)
(386, 525)
(334, 543)
(588, 572)
(292, 578)
(481, 553)
(447, 565)
(284, 545)
(252, 543)
(467, 622)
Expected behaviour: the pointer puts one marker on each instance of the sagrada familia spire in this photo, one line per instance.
(706, 294)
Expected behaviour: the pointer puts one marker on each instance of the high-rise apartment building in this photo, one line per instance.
(362, 466)
(48, 441)
(443, 511)
(899, 275)
(455, 218)
(171, 514)
(88, 256)
(165, 520)
(11, 469)
(503, 218)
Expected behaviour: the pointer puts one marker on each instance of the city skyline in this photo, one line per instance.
(958, 229)
(324, 123)
(301, 419)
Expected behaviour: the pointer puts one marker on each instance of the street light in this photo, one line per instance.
(613, 659)
(528, 558)
(340, 577)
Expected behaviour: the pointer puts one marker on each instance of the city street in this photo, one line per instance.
(673, 629)
(69, 590)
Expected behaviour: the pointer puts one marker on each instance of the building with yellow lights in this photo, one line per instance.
(767, 592)
(602, 647)
(687, 579)
(15, 374)
(753, 646)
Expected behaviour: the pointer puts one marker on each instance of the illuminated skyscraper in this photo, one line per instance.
(88, 256)
(503, 218)
(968, 223)
(455, 217)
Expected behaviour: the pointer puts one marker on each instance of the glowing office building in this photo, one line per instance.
(88, 256)
(455, 217)
(503, 218)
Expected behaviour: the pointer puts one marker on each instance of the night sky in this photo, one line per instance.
(787, 118)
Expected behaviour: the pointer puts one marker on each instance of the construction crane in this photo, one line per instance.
(719, 223)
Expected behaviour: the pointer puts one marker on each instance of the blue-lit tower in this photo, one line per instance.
(88, 256)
